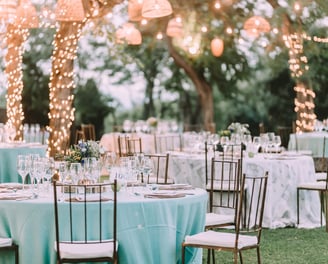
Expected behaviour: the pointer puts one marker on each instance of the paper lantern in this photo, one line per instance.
(256, 25)
(156, 8)
(128, 33)
(217, 47)
(174, 27)
(7, 9)
(69, 10)
(26, 16)
(134, 10)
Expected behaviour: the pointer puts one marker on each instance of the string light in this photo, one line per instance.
(61, 87)
(304, 101)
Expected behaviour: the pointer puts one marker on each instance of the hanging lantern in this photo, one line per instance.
(217, 47)
(134, 10)
(26, 16)
(256, 25)
(69, 10)
(156, 8)
(128, 33)
(174, 28)
(7, 9)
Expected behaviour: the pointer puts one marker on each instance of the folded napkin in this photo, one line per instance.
(14, 196)
(88, 199)
(5, 242)
(11, 185)
(164, 195)
(175, 187)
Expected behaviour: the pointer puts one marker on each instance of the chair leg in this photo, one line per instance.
(258, 255)
(213, 256)
(235, 257)
(208, 256)
(16, 255)
(183, 255)
(322, 206)
(297, 206)
(241, 257)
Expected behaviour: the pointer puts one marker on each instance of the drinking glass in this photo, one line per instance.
(147, 167)
(277, 142)
(22, 168)
(75, 171)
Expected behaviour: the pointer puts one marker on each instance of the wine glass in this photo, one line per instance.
(49, 168)
(75, 171)
(22, 168)
(62, 168)
(147, 166)
(277, 142)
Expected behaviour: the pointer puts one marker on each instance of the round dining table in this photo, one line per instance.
(8, 158)
(286, 171)
(150, 230)
(309, 141)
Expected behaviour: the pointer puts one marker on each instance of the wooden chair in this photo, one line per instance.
(224, 185)
(89, 131)
(321, 163)
(129, 146)
(167, 142)
(160, 169)
(79, 135)
(86, 230)
(284, 133)
(320, 186)
(248, 228)
(6, 244)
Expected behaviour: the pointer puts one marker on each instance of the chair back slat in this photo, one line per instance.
(81, 205)
(225, 183)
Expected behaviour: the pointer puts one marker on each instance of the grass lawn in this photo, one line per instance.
(285, 246)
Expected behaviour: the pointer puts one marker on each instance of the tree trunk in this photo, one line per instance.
(203, 89)
(61, 86)
(16, 38)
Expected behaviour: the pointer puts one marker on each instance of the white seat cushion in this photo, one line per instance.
(218, 219)
(321, 176)
(5, 242)
(321, 185)
(91, 250)
(221, 239)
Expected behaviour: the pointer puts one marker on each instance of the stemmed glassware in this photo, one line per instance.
(276, 142)
(49, 168)
(23, 168)
(75, 171)
(147, 167)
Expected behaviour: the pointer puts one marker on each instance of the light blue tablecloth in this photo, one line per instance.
(150, 231)
(8, 159)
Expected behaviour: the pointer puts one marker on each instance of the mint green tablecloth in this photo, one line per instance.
(150, 231)
(8, 159)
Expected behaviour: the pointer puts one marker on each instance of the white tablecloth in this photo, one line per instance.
(285, 173)
(312, 141)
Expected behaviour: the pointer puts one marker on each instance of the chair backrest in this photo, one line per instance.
(321, 163)
(160, 168)
(167, 142)
(224, 185)
(129, 146)
(82, 217)
(89, 131)
(284, 133)
(79, 135)
(210, 151)
(252, 202)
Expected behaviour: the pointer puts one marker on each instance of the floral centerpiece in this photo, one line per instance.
(84, 149)
(152, 121)
(239, 128)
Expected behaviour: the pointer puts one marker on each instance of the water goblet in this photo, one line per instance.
(23, 168)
